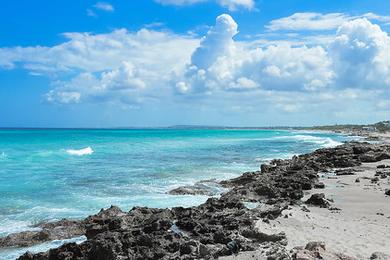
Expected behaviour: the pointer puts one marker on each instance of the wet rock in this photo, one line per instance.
(360, 149)
(49, 231)
(266, 168)
(205, 187)
(190, 190)
(101, 222)
(233, 246)
(319, 185)
(319, 200)
(24, 239)
(374, 180)
(382, 172)
(368, 158)
(240, 181)
(345, 172)
(382, 156)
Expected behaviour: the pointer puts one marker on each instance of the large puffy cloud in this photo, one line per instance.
(220, 62)
(361, 53)
(94, 53)
(218, 42)
(118, 65)
(358, 56)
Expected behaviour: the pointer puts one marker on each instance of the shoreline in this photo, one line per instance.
(278, 241)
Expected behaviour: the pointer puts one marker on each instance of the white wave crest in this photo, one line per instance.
(80, 152)
(322, 141)
(13, 226)
(331, 143)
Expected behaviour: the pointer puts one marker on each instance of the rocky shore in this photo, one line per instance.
(235, 225)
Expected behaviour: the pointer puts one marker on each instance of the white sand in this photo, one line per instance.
(357, 230)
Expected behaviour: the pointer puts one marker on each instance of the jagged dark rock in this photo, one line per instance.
(221, 226)
(374, 180)
(48, 231)
(319, 200)
(319, 185)
(383, 172)
(216, 228)
(342, 172)
(206, 187)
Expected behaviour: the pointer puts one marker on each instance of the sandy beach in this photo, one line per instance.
(359, 228)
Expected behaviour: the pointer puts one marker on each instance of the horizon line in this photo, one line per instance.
(175, 127)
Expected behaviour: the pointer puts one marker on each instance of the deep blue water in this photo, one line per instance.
(52, 174)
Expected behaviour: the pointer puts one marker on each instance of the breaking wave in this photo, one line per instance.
(325, 142)
(80, 152)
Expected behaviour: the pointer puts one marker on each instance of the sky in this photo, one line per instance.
(134, 63)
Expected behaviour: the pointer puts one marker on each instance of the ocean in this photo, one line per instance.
(53, 174)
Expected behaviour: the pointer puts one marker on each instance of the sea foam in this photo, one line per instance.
(80, 152)
(326, 142)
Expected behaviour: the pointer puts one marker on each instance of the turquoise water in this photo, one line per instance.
(52, 174)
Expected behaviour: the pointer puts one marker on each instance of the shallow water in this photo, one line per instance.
(52, 174)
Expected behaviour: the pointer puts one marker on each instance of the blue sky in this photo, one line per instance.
(209, 62)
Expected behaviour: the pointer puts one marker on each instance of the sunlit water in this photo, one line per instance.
(52, 174)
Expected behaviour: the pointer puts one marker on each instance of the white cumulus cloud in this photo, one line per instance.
(222, 63)
(105, 63)
(350, 70)
(361, 54)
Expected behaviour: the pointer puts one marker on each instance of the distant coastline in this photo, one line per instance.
(382, 126)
